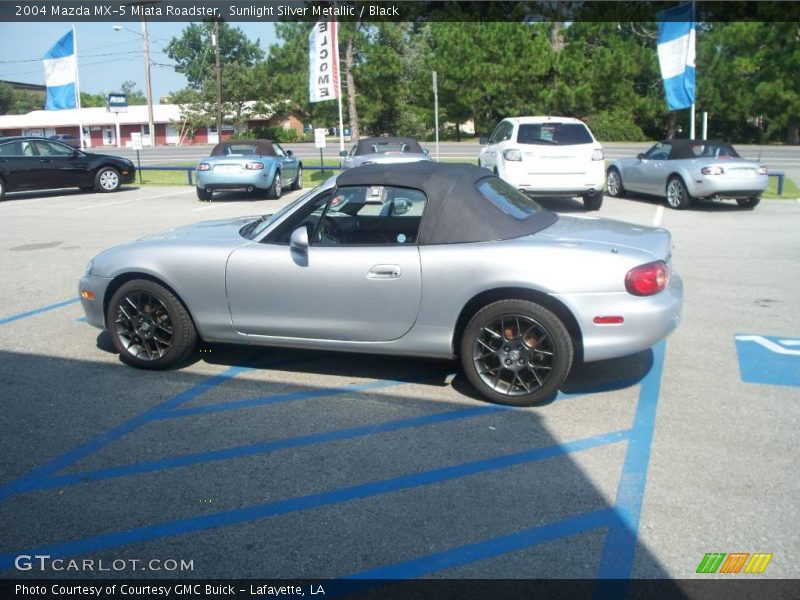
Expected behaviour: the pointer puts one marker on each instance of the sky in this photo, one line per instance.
(106, 58)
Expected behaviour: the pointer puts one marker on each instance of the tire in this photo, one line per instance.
(677, 195)
(750, 202)
(298, 181)
(149, 326)
(107, 180)
(614, 185)
(501, 344)
(204, 194)
(276, 189)
(593, 201)
(2, 188)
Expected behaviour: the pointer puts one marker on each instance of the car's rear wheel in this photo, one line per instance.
(593, 201)
(149, 326)
(677, 195)
(107, 180)
(298, 181)
(750, 202)
(275, 189)
(614, 185)
(204, 194)
(516, 352)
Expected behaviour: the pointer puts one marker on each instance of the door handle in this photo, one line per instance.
(384, 272)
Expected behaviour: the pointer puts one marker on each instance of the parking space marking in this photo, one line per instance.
(137, 198)
(197, 458)
(36, 311)
(311, 501)
(658, 216)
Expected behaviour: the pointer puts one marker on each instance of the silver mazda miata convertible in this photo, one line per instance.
(422, 259)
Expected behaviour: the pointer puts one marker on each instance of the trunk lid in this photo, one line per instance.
(615, 234)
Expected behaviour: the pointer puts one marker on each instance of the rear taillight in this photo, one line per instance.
(649, 279)
(762, 171)
(254, 166)
(204, 167)
(598, 154)
(515, 155)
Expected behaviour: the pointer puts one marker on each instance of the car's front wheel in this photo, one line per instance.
(750, 202)
(107, 180)
(276, 188)
(516, 352)
(298, 181)
(593, 201)
(614, 183)
(677, 195)
(204, 194)
(149, 326)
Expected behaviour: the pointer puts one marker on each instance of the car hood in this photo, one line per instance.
(616, 234)
(219, 230)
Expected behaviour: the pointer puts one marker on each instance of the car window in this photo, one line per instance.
(508, 199)
(278, 150)
(714, 151)
(53, 149)
(11, 149)
(562, 134)
(371, 216)
(497, 134)
(659, 152)
(309, 216)
(241, 149)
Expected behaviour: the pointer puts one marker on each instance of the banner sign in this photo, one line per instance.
(323, 62)
(676, 54)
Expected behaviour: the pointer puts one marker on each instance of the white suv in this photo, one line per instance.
(547, 156)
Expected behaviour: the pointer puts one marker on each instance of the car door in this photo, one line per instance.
(343, 288)
(648, 173)
(59, 165)
(19, 164)
(288, 163)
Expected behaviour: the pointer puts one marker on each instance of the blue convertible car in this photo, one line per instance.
(252, 165)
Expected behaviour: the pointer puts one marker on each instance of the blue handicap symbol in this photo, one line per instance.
(768, 359)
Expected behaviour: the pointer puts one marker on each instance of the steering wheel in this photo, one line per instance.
(328, 232)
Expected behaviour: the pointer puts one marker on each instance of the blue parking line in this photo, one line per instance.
(188, 460)
(619, 547)
(290, 397)
(69, 458)
(36, 311)
(301, 503)
(477, 551)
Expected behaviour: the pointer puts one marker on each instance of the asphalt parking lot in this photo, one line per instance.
(288, 464)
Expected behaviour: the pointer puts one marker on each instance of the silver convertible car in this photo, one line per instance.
(252, 165)
(383, 150)
(683, 170)
(424, 259)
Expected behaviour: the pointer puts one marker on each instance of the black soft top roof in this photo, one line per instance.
(365, 146)
(456, 211)
(262, 147)
(683, 148)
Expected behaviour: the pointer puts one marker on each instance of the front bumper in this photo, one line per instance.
(231, 181)
(648, 320)
(94, 287)
(128, 175)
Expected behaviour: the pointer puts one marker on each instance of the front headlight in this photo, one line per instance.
(89, 265)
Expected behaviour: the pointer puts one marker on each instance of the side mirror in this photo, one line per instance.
(483, 140)
(289, 153)
(343, 153)
(640, 156)
(299, 240)
(425, 151)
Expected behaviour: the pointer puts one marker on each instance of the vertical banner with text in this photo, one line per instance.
(323, 62)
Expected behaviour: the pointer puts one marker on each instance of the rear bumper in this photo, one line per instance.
(646, 320)
(728, 187)
(555, 184)
(258, 179)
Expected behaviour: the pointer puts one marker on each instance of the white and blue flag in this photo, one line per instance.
(61, 73)
(676, 54)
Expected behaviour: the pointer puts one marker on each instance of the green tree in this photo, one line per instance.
(6, 98)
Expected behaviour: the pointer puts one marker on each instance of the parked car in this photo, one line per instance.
(33, 163)
(261, 166)
(67, 138)
(423, 259)
(383, 150)
(547, 156)
(683, 170)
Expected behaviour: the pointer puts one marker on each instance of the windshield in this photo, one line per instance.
(254, 228)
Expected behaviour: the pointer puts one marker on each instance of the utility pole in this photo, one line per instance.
(148, 85)
(215, 42)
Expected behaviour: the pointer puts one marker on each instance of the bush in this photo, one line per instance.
(615, 127)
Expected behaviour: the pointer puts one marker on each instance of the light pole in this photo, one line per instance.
(147, 84)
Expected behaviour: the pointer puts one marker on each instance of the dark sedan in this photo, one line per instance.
(32, 163)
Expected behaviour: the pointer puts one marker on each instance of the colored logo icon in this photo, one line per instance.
(735, 562)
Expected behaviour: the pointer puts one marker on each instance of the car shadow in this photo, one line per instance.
(562, 204)
(30, 195)
(696, 205)
(239, 196)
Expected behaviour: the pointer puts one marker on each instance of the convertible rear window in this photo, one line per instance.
(562, 134)
(508, 199)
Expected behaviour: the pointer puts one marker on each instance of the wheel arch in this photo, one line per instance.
(124, 278)
(552, 304)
